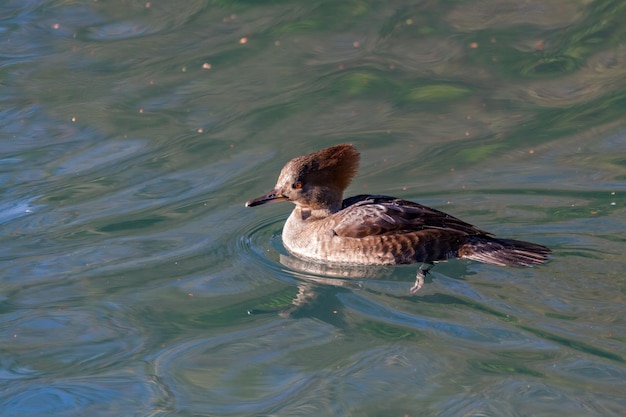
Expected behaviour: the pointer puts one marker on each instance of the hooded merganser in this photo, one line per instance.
(377, 229)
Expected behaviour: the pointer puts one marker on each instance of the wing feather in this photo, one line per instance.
(366, 215)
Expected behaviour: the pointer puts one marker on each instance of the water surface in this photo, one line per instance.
(133, 281)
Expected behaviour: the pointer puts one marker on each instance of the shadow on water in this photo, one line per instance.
(515, 322)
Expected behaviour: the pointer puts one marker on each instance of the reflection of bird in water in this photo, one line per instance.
(316, 273)
(375, 229)
(319, 272)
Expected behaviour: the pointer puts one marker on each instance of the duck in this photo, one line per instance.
(377, 229)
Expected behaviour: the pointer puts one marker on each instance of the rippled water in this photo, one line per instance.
(135, 282)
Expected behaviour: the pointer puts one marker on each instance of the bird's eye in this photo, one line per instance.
(297, 185)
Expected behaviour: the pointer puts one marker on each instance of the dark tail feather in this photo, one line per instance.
(503, 252)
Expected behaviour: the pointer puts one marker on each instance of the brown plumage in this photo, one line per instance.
(376, 229)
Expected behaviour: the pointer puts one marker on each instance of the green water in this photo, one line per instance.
(133, 281)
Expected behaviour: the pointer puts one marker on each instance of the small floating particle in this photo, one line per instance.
(613, 203)
(539, 45)
(532, 151)
(206, 66)
(200, 130)
(148, 5)
(356, 44)
(55, 26)
(409, 22)
(276, 43)
(140, 110)
(243, 40)
(473, 45)
(74, 119)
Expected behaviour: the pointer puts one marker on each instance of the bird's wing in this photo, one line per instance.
(367, 215)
